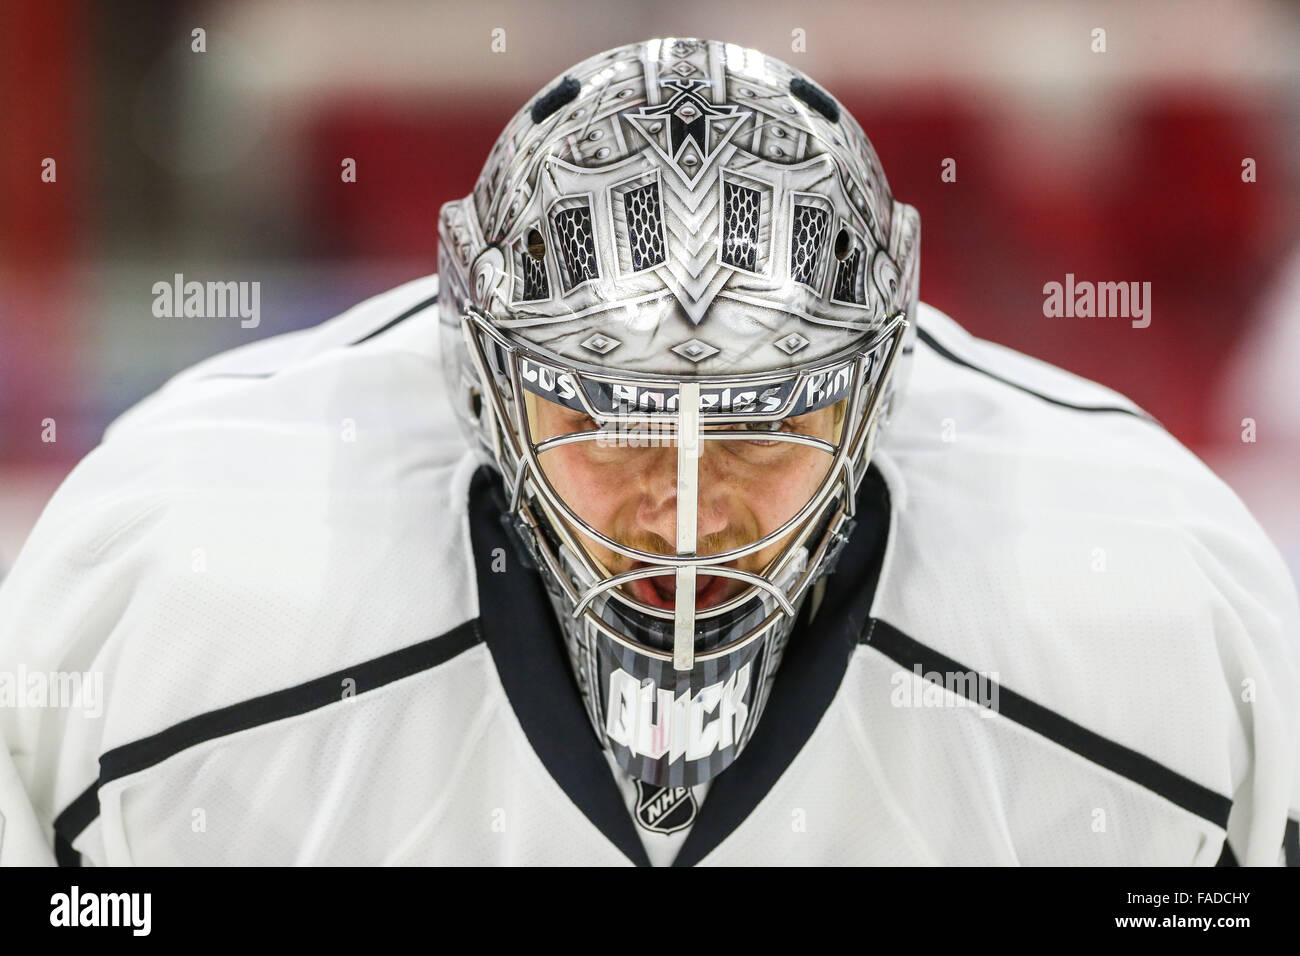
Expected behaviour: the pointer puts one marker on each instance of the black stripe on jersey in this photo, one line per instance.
(413, 310)
(1142, 770)
(245, 715)
(64, 854)
(951, 356)
(1290, 847)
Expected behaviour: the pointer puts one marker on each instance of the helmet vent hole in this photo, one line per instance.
(645, 232)
(476, 403)
(815, 97)
(843, 243)
(536, 245)
(811, 224)
(572, 228)
(565, 92)
(741, 207)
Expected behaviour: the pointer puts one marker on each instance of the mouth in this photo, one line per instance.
(661, 591)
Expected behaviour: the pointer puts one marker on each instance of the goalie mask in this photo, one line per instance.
(675, 310)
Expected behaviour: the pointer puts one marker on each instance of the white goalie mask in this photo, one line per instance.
(676, 309)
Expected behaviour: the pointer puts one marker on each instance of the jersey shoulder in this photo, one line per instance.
(1010, 450)
(1047, 530)
(271, 515)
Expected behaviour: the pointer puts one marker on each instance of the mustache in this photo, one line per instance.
(718, 542)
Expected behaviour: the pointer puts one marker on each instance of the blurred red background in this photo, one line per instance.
(1116, 166)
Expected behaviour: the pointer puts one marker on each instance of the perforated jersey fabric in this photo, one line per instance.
(1064, 642)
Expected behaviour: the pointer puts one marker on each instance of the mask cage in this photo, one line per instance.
(501, 364)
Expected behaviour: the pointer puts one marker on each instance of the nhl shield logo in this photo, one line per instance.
(664, 809)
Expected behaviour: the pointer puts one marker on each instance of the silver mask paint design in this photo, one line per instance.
(688, 237)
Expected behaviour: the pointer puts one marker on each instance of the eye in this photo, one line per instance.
(753, 426)
(765, 427)
(775, 426)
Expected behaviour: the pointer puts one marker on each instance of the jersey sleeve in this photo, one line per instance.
(23, 841)
(1257, 629)
(61, 613)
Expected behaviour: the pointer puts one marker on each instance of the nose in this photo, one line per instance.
(657, 506)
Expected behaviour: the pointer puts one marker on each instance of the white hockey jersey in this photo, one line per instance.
(275, 619)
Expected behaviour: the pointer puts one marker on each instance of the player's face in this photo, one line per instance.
(626, 488)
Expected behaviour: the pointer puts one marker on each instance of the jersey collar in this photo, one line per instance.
(520, 630)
